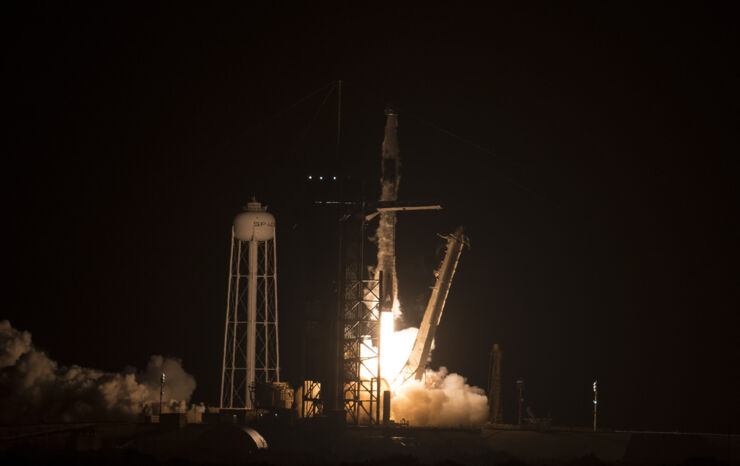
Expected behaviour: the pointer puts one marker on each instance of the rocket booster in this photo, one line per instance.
(389, 181)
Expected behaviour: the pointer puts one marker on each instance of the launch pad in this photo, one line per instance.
(370, 366)
(319, 442)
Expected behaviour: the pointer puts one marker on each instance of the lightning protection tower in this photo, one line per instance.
(494, 386)
(251, 333)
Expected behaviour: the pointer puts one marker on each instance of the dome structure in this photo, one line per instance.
(255, 223)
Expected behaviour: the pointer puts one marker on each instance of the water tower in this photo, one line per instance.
(251, 353)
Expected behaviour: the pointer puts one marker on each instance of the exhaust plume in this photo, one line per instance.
(35, 388)
(442, 400)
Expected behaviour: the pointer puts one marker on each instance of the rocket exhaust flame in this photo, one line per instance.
(440, 399)
(404, 354)
(386, 342)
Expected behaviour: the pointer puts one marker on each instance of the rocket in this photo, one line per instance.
(386, 233)
(386, 269)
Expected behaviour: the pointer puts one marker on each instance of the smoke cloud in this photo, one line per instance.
(35, 388)
(442, 400)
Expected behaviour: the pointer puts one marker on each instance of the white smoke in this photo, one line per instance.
(35, 388)
(442, 400)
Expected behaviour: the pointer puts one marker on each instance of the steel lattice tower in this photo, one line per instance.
(359, 327)
(361, 363)
(251, 331)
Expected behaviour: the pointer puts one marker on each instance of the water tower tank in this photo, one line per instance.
(251, 354)
(254, 224)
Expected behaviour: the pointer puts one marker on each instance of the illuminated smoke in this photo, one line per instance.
(35, 388)
(441, 400)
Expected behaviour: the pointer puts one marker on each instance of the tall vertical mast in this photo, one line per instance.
(494, 385)
(337, 380)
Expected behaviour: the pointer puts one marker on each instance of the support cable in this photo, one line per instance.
(378, 98)
(315, 117)
(295, 104)
(480, 148)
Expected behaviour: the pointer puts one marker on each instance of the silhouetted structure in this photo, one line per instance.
(494, 385)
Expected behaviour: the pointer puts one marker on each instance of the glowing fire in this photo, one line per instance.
(441, 399)
(395, 347)
(386, 339)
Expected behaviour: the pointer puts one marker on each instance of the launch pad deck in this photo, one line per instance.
(324, 443)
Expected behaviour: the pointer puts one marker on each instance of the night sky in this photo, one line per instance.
(587, 150)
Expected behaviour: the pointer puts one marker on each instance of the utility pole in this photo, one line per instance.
(494, 385)
(161, 393)
(520, 389)
(596, 403)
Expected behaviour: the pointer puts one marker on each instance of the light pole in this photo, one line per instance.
(596, 403)
(161, 392)
(520, 389)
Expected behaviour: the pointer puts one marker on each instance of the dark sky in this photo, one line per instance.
(586, 149)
